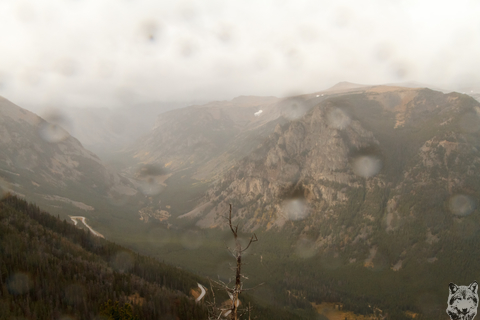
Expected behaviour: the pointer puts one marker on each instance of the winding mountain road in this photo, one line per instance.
(75, 218)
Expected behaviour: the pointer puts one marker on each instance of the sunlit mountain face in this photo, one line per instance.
(347, 189)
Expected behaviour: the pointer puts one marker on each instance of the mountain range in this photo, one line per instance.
(349, 183)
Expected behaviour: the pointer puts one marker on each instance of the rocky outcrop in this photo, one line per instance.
(356, 165)
(42, 158)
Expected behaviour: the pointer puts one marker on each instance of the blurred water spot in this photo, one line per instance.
(5, 187)
(25, 12)
(294, 108)
(75, 294)
(264, 294)
(55, 129)
(4, 79)
(32, 77)
(366, 165)
(187, 48)
(261, 62)
(150, 31)
(52, 132)
(305, 248)
(191, 239)
(150, 179)
(126, 95)
(158, 237)
(67, 67)
(470, 121)
(122, 261)
(118, 199)
(294, 58)
(337, 119)
(383, 51)
(399, 70)
(461, 205)
(430, 305)
(105, 69)
(343, 17)
(225, 34)
(295, 209)
(226, 271)
(188, 12)
(19, 283)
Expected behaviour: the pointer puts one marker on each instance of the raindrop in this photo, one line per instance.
(4, 79)
(295, 209)
(187, 49)
(54, 129)
(4, 187)
(19, 283)
(122, 261)
(470, 122)
(343, 17)
(25, 13)
(366, 165)
(66, 67)
(158, 237)
(337, 119)
(461, 205)
(383, 52)
(305, 248)
(151, 179)
(150, 31)
(191, 239)
(52, 132)
(74, 294)
(224, 34)
(294, 108)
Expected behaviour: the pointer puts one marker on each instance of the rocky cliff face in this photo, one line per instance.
(39, 159)
(358, 165)
(198, 136)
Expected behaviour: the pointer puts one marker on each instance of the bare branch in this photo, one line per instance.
(252, 239)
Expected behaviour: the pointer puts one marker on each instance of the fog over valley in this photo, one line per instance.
(251, 160)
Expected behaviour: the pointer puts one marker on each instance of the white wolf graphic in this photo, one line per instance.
(462, 301)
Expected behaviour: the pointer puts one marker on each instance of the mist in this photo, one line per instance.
(59, 54)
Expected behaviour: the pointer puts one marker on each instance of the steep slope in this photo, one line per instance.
(191, 136)
(49, 269)
(106, 131)
(44, 162)
(357, 162)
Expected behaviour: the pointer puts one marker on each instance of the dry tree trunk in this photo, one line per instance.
(234, 292)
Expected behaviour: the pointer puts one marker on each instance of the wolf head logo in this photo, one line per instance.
(462, 301)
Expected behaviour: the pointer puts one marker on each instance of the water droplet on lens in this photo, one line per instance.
(54, 129)
(295, 209)
(52, 132)
(470, 122)
(4, 187)
(74, 294)
(461, 205)
(366, 165)
(192, 239)
(158, 237)
(150, 179)
(122, 261)
(337, 119)
(19, 283)
(305, 248)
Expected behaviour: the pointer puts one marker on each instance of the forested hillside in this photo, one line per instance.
(50, 269)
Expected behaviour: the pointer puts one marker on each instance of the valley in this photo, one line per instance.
(360, 196)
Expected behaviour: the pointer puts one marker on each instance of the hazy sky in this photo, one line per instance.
(118, 52)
